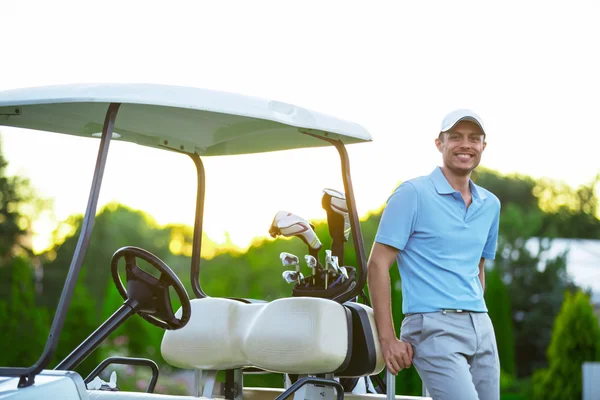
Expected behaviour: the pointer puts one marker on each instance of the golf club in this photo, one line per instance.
(312, 264)
(289, 259)
(344, 272)
(332, 261)
(341, 270)
(338, 220)
(292, 276)
(288, 224)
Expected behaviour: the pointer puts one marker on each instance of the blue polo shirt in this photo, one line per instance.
(441, 242)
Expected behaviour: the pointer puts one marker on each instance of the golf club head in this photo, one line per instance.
(288, 259)
(310, 261)
(331, 261)
(344, 272)
(288, 224)
(334, 262)
(292, 276)
(338, 219)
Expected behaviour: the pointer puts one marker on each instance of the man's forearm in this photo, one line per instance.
(379, 290)
(482, 278)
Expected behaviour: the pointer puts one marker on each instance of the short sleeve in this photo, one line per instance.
(399, 217)
(489, 250)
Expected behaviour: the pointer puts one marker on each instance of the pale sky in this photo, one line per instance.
(529, 69)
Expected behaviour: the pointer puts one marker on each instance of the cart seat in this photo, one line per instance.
(107, 395)
(298, 335)
(366, 356)
(292, 335)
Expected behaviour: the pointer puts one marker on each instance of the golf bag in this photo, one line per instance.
(334, 289)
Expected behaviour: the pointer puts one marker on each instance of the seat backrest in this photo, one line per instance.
(366, 356)
(297, 335)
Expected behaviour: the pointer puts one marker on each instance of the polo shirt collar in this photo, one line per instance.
(440, 182)
(476, 191)
(443, 187)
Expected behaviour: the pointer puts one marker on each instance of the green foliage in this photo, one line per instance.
(22, 323)
(536, 283)
(12, 229)
(499, 309)
(512, 388)
(115, 226)
(510, 189)
(575, 340)
(79, 323)
(569, 212)
(536, 295)
(19, 206)
(561, 211)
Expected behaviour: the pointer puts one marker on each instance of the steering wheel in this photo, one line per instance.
(148, 295)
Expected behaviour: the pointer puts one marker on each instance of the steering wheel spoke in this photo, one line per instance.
(150, 295)
(130, 260)
(165, 280)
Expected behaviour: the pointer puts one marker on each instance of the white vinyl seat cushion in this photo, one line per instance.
(106, 395)
(296, 335)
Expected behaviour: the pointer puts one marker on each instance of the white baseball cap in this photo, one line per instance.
(463, 114)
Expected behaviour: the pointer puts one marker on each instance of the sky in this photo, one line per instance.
(529, 69)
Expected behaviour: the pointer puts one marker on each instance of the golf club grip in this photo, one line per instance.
(315, 253)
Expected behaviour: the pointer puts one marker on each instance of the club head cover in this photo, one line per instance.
(338, 219)
(288, 224)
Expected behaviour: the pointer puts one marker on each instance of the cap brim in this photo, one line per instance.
(465, 118)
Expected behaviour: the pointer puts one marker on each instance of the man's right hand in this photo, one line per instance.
(397, 355)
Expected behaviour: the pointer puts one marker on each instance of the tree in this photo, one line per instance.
(535, 283)
(499, 309)
(575, 340)
(115, 226)
(510, 189)
(80, 322)
(16, 198)
(13, 227)
(536, 292)
(24, 325)
(564, 211)
(570, 213)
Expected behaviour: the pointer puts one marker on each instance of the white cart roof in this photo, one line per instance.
(206, 121)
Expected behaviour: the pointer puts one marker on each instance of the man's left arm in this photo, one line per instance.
(482, 272)
(489, 250)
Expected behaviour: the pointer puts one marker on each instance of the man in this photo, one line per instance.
(440, 229)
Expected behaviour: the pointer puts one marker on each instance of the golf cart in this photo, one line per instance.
(318, 337)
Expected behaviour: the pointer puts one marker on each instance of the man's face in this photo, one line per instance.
(461, 147)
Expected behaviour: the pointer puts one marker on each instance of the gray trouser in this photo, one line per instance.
(455, 354)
